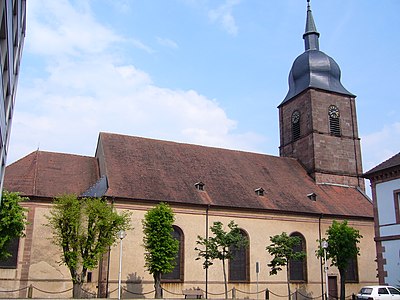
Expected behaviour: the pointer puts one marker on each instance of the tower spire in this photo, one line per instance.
(311, 34)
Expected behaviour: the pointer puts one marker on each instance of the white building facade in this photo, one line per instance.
(385, 184)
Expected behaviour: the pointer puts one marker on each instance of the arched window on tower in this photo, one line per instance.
(334, 120)
(239, 264)
(177, 273)
(295, 125)
(298, 268)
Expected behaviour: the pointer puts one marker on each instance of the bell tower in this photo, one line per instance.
(317, 118)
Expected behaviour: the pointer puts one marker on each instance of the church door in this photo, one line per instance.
(333, 289)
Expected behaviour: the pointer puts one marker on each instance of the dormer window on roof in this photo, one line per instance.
(259, 191)
(199, 186)
(312, 196)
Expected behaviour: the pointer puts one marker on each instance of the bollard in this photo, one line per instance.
(30, 291)
(233, 293)
(267, 294)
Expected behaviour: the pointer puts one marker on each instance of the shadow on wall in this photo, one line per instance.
(302, 293)
(134, 287)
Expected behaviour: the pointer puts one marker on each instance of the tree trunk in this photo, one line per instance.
(77, 290)
(225, 282)
(288, 283)
(157, 285)
(342, 273)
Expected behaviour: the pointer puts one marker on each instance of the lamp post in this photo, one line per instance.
(121, 235)
(325, 246)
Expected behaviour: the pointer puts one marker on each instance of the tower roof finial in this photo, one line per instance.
(311, 34)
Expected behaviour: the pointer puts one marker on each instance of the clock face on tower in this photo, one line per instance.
(295, 117)
(333, 112)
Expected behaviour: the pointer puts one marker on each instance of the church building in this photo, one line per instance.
(316, 179)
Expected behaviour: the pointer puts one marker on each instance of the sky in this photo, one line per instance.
(207, 72)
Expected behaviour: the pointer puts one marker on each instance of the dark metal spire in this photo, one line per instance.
(313, 68)
(311, 34)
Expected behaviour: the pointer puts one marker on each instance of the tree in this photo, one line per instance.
(12, 221)
(220, 246)
(282, 250)
(160, 246)
(84, 228)
(342, 247)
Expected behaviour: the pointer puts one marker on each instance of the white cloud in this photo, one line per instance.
(88, 89)
(56, 28)
(167, 43)
(223, 15)
(381, 145)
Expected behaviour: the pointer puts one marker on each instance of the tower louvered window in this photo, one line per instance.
(334, 125)
(334, 120)
(295, 125)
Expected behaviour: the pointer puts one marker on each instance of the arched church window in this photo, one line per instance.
(239, 264)
(298, 268)
(334, 120)
(295, 125)
(352, 271)
(177, 273)
(12, 261)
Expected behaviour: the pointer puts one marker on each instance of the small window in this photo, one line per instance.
(383, 291)
(295, 125)
(334, 120)
(89, 277)
(366, 291)
(396, 195)
(199, 186)
(312, 196)
(394, 291)
(259, 191)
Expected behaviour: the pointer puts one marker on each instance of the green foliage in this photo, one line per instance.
(12, 221)
(342, 247)
(84, 229)
(220, 246)
(282, 251)
(161, 247)
(342, 244)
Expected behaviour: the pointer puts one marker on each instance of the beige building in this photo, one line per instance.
(317, 179)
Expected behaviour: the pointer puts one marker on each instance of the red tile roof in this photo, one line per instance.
(145, 169)
(140, 168)
(49, 174)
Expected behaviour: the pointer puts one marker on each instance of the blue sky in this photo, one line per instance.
(209, 72)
